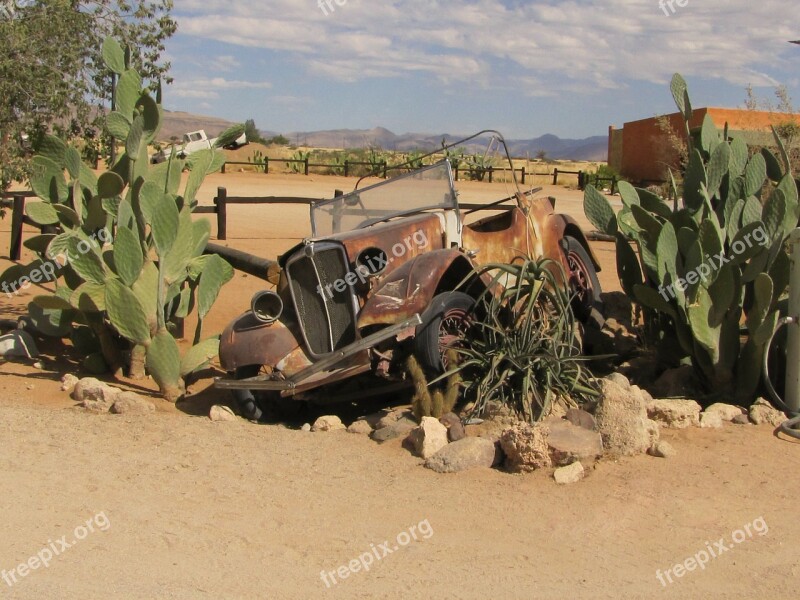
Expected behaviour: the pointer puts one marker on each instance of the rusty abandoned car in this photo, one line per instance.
(383, 276)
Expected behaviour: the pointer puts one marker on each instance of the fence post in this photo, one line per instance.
(555, 175)
(266, 165)
(305, 162)
(346, 167)
(523, 174)
(384, 169)
(613, 184)
(222, 213)
(17, 214)
(491, 171)
(223, 168)
(455, 171)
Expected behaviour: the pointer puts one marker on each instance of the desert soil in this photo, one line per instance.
(185, 508)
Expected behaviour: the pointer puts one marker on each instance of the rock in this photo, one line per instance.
(727, 412)
(568, 443)
(622, 420)
(18, 343)
(763, 413)
(742, 419)
(676, 383)
(653, 431)
(306, 427)
(468, 453)
(525, 447)
(581, 418)
(618, 306)
(428, 438)
(676, 414)
(327, 423)
(221, 413)
(500, 413)
(572, 473)
(661, 449)
(393, 416)
(94, 394)
(361, 426)
(131, 403)
(68, 382)
(397, 429)
(643, 394)
(710, 420)
(619, 379)
(455, 428)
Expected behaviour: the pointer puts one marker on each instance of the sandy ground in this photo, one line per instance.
(180, 507)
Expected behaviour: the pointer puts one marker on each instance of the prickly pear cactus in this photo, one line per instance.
(127, 257)
(711, 258)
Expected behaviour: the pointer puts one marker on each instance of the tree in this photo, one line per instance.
(50, 75)
(252, 132)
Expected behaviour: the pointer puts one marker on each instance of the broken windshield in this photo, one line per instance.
(427, 188)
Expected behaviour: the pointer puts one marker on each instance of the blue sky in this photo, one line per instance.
(525, 68)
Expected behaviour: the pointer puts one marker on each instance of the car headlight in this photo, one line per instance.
(267, 306)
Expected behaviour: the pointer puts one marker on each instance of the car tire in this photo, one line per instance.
(587, 304)
(442, 323)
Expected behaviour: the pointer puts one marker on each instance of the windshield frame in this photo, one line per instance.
(453, 198)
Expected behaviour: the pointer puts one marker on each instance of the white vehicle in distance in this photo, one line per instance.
(192, 142)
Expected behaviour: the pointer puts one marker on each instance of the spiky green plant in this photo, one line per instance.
(521, 348)
(259, 161)
(709, 264)
(126, 256)
(435, 403)
(299, 155)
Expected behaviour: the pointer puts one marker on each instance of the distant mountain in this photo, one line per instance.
(591, 148)
(177, 123)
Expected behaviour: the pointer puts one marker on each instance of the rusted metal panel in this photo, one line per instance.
(248, 341)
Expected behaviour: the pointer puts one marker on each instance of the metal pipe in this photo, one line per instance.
(793, 335)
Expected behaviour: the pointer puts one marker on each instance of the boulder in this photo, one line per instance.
(676, 414)
(131, 403)
(68, 382)
(306, 427)
(619, 379)
(727, 412)
(525, 447)
(571, 473)
(94, 394)
(397, 429)
(742, 419)
(567, 443)
(428, 438)
(393, 416)
(361, 426)
(327, 423)
(711, 420)
(679, 382)
(455, 428)
(622, 420)
(468, 453)
(661, 449)
(581, 418)
(221, 413)
(763, 413)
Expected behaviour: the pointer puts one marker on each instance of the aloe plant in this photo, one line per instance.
(710, 263)
(521, 348)
(135, 255)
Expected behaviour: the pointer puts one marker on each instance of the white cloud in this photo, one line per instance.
(210, 88)
(549, 47)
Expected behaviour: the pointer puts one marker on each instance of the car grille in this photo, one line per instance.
(328, 323)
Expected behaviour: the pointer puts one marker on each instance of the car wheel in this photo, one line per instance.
(444, 323)
(584, 284)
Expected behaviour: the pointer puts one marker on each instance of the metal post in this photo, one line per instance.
(793, 335)
(222, 213)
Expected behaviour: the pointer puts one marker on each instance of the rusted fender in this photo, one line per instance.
(248, 341)
(558, 225)
(410, 288)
